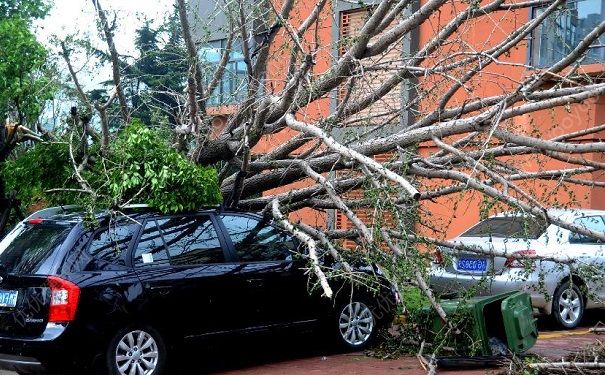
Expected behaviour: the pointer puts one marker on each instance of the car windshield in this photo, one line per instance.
(30, 249)
(508, 227)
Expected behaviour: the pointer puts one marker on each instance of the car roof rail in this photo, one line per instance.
(50, 212)
(136, 206)
(53, 211)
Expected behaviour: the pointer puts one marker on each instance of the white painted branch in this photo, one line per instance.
(352, 154)
(566, 365)
(311, 247)
(365, 232)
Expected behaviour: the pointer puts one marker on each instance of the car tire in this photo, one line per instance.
(356, 322)
(568, 305)
(139, 346)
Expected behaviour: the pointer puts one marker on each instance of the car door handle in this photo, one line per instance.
(161, 289)
(255, 282)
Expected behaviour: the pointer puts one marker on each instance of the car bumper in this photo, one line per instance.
(33, 355)
(447, 283)
(21, 364)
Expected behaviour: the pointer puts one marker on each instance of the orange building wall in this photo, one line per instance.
(455, 213)
(276, 72)
(458, 212)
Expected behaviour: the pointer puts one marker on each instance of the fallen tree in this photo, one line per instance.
(406, 127)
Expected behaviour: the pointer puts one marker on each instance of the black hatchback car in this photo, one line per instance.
(119, 296)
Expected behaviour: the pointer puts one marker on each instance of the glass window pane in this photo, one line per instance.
(32, 248)
(594, 223)
(256, 241)
(508, 227)
(110, 244)
(562, 31)
(232, 87)
(151, 249)
(192, 240)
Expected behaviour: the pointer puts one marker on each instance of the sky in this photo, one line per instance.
(77, 17)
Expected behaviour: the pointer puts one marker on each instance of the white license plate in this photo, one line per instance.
(8, 298)
(470, 264)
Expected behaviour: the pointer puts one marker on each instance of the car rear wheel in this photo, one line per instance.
(356, 323)
(568, 305)
(136, 351)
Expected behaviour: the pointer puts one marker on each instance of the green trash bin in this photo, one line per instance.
(502, 319)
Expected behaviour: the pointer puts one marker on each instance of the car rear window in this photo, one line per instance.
(31, 249)
(508, 227)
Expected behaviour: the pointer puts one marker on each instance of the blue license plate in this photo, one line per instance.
(469, 264)
(8, 298)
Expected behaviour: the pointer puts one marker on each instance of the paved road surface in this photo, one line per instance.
(308, 355)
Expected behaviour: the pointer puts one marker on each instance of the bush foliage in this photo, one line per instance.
(139, 167)
(43, 167)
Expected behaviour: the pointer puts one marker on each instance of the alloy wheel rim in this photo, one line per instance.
(356, 323)
(569, 306)
(137, 354)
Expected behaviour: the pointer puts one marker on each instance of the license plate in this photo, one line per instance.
(8, 298)
(467, 264)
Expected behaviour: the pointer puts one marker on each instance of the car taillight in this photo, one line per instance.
(438, 257)
(64, 298)
(514, 262)
(35, 221)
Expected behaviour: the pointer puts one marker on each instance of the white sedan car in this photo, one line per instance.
(563, 291)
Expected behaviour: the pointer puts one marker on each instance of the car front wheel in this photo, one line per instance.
(136, 351)
(568, 305)
(357, 324)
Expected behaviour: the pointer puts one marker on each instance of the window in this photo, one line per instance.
(232, 88)
(108, 245)
(508, 227)
(192, 240)
(151, 248)
(563, 30)
(594, 223)
(256, 241)
(32, 249)
(182, 241)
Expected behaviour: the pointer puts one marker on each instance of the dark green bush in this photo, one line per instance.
(144, 165)
(139, 167)
(34, 171)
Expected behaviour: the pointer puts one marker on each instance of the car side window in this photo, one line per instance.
(192, 240)
(151, 249)
(257, 241)
(594, 223)
(109, 244)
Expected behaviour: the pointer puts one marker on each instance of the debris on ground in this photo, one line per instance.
(598, 329)
(587, 361)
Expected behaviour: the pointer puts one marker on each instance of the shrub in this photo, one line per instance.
(139, 167)
(145, 168)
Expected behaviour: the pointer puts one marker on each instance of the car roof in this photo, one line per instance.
(561, 213)
(76, 214)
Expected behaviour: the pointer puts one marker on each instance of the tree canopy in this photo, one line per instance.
(24, 9)
(24, 86)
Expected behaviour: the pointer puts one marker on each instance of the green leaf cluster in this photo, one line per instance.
(24, 85)
(25, 9)
(147, 169)
(139, 167)
(38, 169)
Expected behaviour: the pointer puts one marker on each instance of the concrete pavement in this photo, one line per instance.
(553, 344)
(292, 358)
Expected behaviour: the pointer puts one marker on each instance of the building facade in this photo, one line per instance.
(341, 21)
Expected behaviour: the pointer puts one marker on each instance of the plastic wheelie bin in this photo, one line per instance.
(499, 322)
